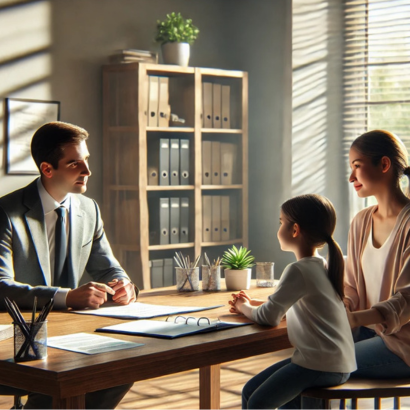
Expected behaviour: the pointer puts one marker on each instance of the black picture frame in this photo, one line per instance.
(22, 118)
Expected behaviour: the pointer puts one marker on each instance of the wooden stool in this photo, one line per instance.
(17, 393)
(362, 389)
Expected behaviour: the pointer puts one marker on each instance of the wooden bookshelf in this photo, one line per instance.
(127, 141)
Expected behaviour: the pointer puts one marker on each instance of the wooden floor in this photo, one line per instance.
(180, 391)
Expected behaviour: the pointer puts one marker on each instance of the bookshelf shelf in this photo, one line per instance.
(130, 146)
(173, 246)
(222, 243)
(170, 187)
(220, 187)
(170, 129)
(220, 131)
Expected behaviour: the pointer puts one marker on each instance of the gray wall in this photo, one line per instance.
(235, 34)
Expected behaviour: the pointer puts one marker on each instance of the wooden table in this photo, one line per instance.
(67, 376)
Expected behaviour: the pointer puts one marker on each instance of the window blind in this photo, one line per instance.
(376, 68)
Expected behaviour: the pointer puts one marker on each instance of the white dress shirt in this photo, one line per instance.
(49, 206)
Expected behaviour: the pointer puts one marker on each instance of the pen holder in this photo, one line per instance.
(30, 342)
(264, 274)
(187, 279)
(211, 278)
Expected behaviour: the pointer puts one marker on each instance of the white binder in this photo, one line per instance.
(216, 163)
(174, 161)
(206, 218)
(164, 161)
(206, 162)
(216, 105)
(226, 108)
(225, 215)
(216, 218)
(174, 213)
(228, 154)
(184, 220)
(153, 101)
(164, 221)
(184, 162)
(163, 117)
(207, 105)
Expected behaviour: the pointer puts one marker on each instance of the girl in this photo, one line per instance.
(377, 282)
(311, 294)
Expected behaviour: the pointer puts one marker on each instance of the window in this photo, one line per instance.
(376, 71)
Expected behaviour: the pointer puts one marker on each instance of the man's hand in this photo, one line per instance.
(124, 291)
(91, 295)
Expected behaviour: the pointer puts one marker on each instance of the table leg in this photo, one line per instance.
(74, 402)
(210, 387)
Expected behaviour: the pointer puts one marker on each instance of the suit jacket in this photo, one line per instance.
(24, 255)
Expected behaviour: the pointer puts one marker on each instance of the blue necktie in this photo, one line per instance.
(60, 248)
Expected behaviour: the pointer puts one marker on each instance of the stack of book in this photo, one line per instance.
(131, 55)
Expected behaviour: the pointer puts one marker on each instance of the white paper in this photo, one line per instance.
(89, 343)
(139, 310)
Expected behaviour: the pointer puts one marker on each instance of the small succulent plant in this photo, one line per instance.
(237, 259)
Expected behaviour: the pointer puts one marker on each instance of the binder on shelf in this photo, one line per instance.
(153, 162)
(168, 272)
(164, 221)
(174, 161)
(216, 218)
(164, 161)
(171, 327)
(228, 155)
(225, 215)
(184, 216)
(184, 162)
(153, 101)
(216, 105)
(163, 104)
(206, 162)
(216, 163)
(226, 109)
(153, 221)
(207, 105)
(157, 273)
(206, 218)
(174, 220)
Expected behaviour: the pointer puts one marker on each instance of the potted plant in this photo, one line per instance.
(237, 264)
(176, 34)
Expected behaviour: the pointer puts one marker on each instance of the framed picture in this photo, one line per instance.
(23, 118)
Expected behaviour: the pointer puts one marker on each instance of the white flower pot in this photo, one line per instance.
(238, 279)
(176, 53)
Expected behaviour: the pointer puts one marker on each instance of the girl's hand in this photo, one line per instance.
(252, 302)
(237, 304)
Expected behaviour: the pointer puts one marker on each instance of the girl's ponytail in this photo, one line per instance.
(336, 266)
(316, 217)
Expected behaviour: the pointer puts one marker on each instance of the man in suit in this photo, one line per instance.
(50, 235)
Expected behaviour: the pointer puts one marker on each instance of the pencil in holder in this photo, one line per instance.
(211, 277)
(187, 279)
(30, 341)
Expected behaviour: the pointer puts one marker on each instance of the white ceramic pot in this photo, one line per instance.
(238, 279)
(176, 53)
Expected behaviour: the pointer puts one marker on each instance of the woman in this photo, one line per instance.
(377, 279)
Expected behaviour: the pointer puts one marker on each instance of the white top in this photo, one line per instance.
(316, 318)
(373, 265)
(49, 205)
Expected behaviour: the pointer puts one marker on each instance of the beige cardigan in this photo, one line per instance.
(394, 300)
